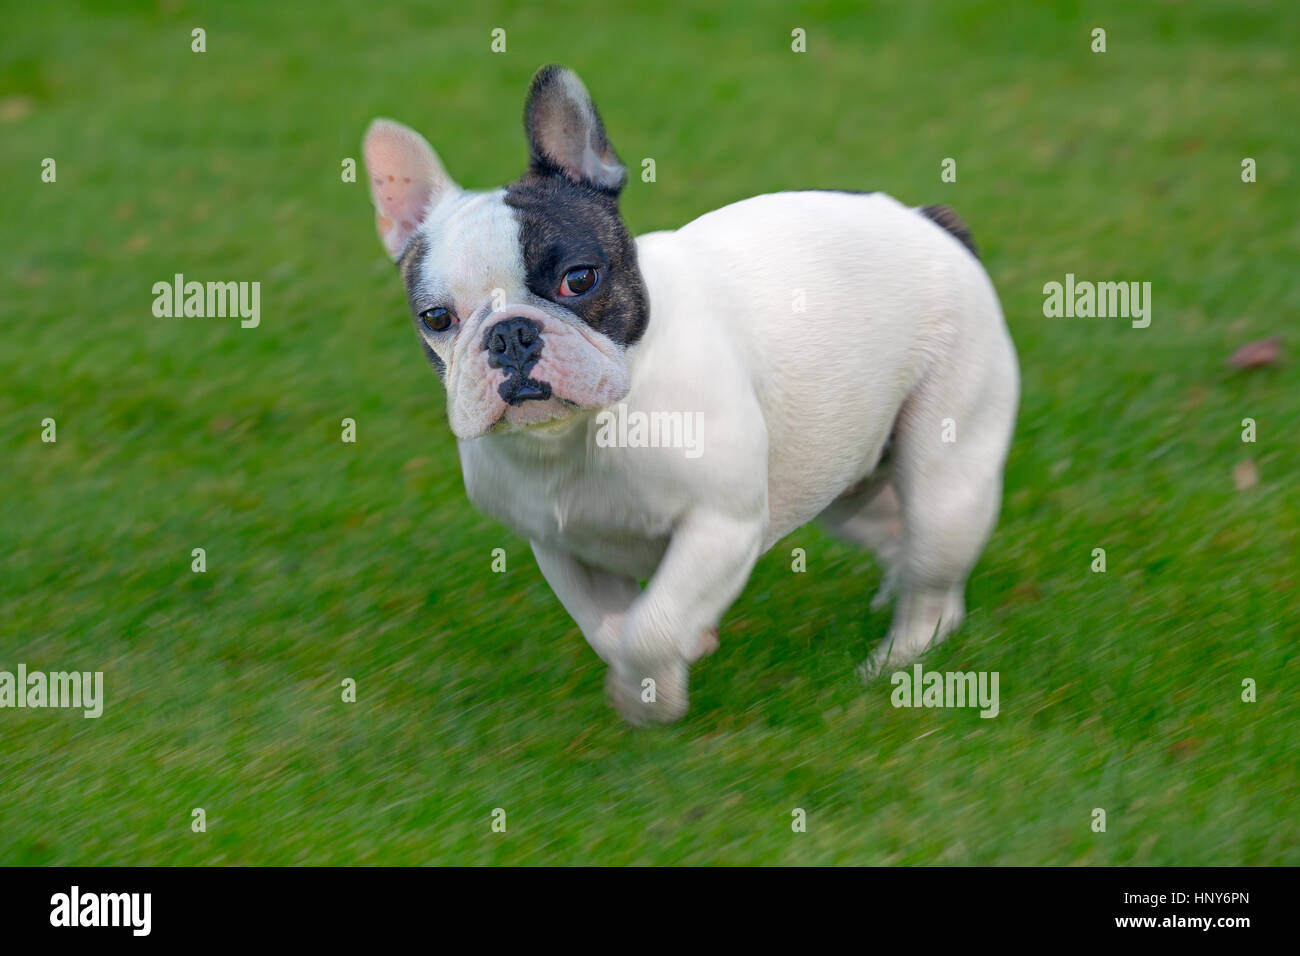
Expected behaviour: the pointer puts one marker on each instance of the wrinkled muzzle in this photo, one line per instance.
(521, 366)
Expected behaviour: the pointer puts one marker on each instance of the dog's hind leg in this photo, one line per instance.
(946, 466)
(871, 517)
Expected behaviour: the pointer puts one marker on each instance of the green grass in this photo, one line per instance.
(329, 560)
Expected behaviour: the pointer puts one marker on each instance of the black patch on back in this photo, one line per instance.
(953, 223)
(563, 225)
(846, 192)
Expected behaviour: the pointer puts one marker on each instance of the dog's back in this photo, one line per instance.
(839, 305)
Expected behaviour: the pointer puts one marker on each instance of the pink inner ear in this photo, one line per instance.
(405, 178)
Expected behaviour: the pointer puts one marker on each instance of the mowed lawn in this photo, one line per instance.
(329, 560)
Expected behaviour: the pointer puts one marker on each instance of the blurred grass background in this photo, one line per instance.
(475, 691)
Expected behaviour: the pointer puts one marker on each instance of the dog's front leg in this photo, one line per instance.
(671, 624)
(596, 599)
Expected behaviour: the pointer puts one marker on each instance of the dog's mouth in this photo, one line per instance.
(537, 415)
(520, 387)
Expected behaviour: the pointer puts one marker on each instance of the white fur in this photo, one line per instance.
(902, 330)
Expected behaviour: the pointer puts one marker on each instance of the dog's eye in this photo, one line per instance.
(578, 281)
(437, 320)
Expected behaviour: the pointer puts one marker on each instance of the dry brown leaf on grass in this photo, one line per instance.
(1258, 354)
(13, 108)
(1245, 475)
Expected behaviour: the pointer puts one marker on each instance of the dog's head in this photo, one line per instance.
(524, 298)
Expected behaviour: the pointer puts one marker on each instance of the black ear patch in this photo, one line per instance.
(566, 136)
(953, 223)
(562, 226)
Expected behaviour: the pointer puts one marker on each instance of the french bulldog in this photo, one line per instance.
(845, 355)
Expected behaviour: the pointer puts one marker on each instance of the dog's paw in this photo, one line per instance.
(658, 696)
(708, 643)
(921, 621)
(877, 661)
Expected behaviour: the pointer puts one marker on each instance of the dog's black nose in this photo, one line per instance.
(515, 345)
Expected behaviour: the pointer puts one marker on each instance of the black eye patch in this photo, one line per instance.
(562, 225)
(562, 257)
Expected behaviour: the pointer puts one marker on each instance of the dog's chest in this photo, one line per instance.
(587, 507)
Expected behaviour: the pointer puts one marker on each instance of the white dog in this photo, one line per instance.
(845, 355)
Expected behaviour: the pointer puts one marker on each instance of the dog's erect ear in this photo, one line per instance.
(406, 180)
(565, 134)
